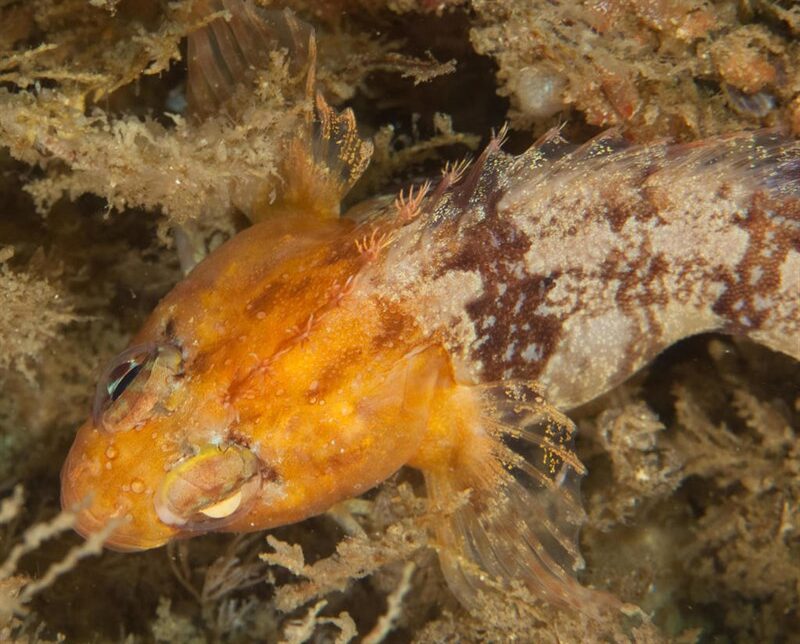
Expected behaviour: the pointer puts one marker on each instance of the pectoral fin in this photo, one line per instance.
(226, 53)
(520, 522)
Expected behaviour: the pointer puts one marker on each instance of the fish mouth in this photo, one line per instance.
(125, 537)
(122, 537)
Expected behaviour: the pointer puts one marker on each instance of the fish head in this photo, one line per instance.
(262, 390)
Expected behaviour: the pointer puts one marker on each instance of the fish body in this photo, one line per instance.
(574, 267)
(310, 357)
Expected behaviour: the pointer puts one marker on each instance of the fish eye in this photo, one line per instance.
(133, 385)
(127, 373)
(210, 488)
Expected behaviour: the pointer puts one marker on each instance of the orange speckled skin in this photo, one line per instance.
(273, 337)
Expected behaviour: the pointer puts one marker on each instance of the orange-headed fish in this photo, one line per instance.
(312, 356)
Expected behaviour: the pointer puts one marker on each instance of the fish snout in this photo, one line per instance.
(97, 501)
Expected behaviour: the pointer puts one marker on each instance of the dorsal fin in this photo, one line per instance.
(764, 159)
(322, 164)
(322, 161)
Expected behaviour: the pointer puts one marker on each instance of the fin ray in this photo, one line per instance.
(225, 54)
(323, 164)
(320, 163)
(764, 160)
(523, 515)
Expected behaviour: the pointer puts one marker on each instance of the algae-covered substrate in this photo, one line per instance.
(694, 466)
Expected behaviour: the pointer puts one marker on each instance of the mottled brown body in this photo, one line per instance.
(574, 268)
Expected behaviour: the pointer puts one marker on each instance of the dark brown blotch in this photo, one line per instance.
(773, 228)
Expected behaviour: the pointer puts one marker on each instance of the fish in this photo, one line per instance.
(450, 329)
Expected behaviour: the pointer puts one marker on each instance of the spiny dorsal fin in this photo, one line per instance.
(225, 54)
(326, 158)
(320, 166)
(763, 159)
(520, 526)
(337, 145)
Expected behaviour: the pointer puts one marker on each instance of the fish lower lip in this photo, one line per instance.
(120, 540)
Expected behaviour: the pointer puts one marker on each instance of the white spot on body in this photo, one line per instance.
(480, 342)
(790, 272)
(532, 352)
(518, 305)
(589, 353)
(509, 353)
(587, 249)
(761, 303)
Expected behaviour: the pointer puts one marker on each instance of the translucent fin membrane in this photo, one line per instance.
(524, 513)
(326, 157)
(762, 160)
(325, 163)
(337, 146)
(227, 52)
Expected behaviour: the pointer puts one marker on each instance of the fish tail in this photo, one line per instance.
(517, 528)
